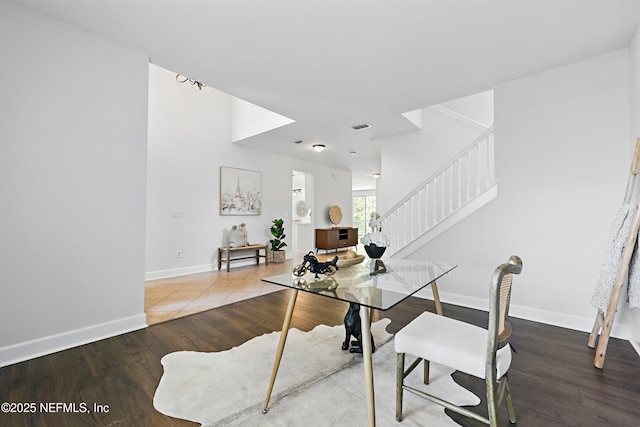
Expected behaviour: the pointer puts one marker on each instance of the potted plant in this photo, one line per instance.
(277, 243)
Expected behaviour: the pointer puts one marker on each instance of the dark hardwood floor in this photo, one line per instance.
(552, 378)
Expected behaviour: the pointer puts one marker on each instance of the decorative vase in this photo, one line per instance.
(374, 251)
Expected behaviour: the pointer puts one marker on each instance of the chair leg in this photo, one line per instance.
(509, 401)
(492, 402)
(426, 372)
(399, 383)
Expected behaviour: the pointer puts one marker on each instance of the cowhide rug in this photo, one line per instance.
(318, 384)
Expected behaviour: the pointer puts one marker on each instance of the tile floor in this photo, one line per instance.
(170, 298)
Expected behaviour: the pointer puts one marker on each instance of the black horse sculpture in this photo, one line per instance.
(311, 263)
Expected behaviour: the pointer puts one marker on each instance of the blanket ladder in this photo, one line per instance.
(603, 320)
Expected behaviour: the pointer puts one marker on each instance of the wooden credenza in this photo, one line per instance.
(336, 237)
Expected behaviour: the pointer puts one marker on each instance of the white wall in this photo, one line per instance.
(562, 159)
(189, 139)
(72, 183)
(73, 126)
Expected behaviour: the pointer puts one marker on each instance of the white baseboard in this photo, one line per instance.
(582, 324)
(42, 346)
(194, 269)
(577, 323)
(163, 274)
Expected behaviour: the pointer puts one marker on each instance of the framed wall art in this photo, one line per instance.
(240, 191)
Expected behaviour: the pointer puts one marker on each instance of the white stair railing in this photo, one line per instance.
(468, 176)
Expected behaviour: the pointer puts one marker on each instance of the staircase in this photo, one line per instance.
(462, 186)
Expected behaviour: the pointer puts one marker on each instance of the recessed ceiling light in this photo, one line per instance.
(352, 152)
(360, 127)
(318, 147)
(298, 141)
(375, 175)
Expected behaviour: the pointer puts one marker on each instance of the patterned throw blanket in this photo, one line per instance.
(613, 256)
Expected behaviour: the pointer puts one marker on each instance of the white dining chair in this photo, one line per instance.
(483, 353)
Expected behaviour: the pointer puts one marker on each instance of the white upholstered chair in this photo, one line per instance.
(484, 353)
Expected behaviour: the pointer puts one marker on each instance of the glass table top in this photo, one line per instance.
(357, 284)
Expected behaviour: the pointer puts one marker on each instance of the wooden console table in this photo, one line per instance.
(230, 251)
(336, 237)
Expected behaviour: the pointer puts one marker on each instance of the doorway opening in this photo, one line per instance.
(302, 239)
(364, 205)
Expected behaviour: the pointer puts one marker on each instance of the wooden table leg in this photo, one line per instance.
(436, 298)
(365, 322)
(283, 340)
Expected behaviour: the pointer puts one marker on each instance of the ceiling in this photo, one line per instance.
(332, 64)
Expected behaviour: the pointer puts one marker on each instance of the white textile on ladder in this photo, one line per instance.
(613, 255)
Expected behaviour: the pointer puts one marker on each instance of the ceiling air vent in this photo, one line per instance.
(360, 127)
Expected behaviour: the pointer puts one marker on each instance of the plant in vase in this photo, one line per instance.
(375, 244)
(277, 243)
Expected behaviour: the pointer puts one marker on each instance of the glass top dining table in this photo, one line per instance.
(372, 284)
(361, 284)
